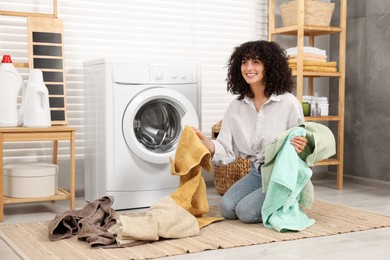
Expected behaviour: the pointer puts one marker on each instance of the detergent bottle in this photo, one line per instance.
(10, 84)
(36, 108)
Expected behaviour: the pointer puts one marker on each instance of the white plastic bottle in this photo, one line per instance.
(316, 110)
(36, 102)
(10, 83)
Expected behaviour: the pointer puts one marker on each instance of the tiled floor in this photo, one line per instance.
(372, 244)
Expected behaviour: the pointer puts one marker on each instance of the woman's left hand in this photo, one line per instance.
(299, 143)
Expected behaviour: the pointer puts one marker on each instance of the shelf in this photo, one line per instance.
(322, 118)
(317, 74)
(54, 134)
(309, 30)
(60, 195)
(27, 14)
(328, 162)
(21, 65)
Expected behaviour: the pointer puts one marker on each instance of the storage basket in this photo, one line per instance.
(226, 175)
(30, 180)
(316, 13)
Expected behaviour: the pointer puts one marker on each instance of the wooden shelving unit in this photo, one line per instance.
(59, 131)
(55, 134)
(300, 31)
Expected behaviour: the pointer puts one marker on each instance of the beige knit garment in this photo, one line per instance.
(163, 219)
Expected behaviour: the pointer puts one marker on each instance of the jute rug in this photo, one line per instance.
(31, 241)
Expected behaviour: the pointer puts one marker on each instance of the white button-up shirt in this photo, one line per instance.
(246, 132)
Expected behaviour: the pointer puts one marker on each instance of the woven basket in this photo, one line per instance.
(226, 175)
(316, 13)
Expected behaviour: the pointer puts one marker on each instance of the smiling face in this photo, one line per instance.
(252, 70)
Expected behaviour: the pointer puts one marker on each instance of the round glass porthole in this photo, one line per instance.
(157, 125)
(153, 122)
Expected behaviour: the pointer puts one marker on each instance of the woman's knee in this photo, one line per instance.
(227, 208)
(248, 214)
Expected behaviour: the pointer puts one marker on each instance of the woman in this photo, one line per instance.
(258, 73)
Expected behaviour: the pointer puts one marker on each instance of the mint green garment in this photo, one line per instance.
(286, 176)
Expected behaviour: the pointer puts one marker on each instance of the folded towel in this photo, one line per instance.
(90, 223)
(314, 63)
(322, 100)
(308, 59)
(191, 156)
(308, 55)
(324, 112)
(306, 49)
(315, 68)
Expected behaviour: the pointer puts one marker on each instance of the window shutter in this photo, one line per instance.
(141, 30)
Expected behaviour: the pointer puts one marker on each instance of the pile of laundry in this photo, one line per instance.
(314, 59)
(181, 214)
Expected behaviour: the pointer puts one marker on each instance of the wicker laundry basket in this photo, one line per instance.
(226, 175)
(316, 13)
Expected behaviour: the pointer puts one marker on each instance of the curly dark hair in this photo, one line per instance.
(277, 75)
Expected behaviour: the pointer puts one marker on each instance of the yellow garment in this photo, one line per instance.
(315, 68)
(315, 63)
(307, 57)
(191, 155)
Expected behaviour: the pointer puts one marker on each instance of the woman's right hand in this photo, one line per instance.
(206, 141)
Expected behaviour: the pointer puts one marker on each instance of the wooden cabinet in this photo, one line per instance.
(55, 134)
(304, 32)
(37, 24)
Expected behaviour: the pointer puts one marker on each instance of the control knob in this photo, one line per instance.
(158, 75)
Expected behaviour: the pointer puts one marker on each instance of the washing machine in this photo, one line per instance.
(134, 116)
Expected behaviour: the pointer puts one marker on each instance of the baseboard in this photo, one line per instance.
(358, 180)
(79, 193)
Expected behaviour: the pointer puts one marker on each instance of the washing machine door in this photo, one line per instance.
(153, 122)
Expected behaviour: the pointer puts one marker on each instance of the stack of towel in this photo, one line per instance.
(314, 59)
(309, 54)
(323, 103)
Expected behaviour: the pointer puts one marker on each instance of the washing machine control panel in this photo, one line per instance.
(171, 74)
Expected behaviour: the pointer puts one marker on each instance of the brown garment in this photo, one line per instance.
(90, 223)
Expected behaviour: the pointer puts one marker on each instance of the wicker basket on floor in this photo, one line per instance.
(316, 13)
(226, 175)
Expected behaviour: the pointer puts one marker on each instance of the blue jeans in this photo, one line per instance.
(244, 199)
